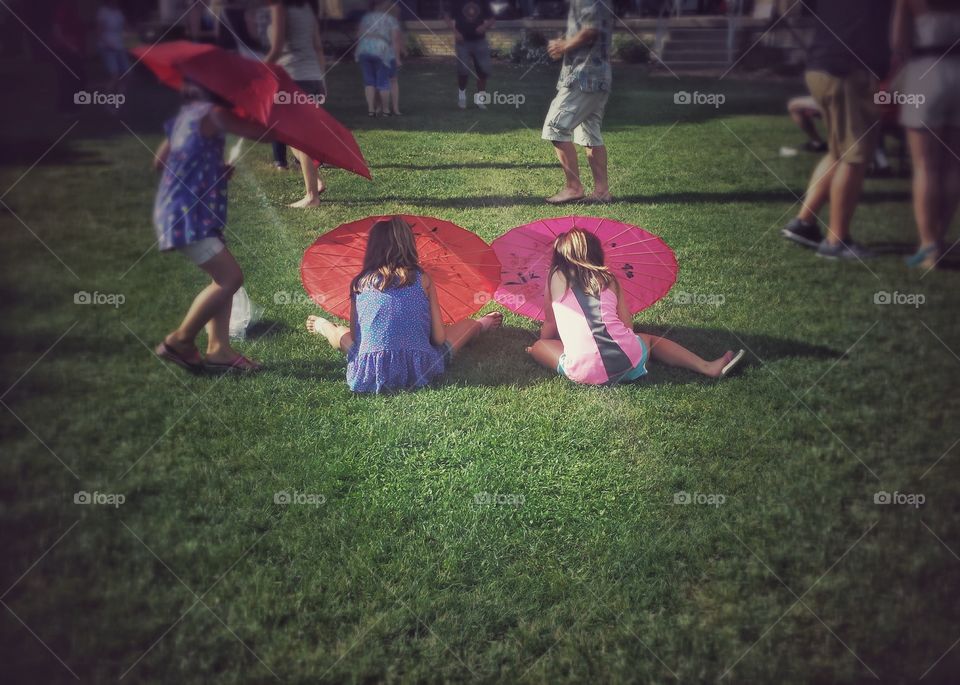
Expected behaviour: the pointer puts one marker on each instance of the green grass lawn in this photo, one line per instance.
(503, 525)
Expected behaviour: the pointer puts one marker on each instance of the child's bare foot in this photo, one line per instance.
(318, 325)
(321, 186)
(491, 320)
(308, 201)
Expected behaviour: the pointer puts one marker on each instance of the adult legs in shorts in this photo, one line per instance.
(576, 117)
(473, 57)
(936, 187)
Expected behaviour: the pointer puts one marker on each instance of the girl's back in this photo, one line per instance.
(598, 347)
(392, 349)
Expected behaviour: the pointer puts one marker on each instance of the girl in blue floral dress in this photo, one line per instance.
(190, 214)
(396, 339)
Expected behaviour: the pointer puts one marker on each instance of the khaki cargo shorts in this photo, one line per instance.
(850, 113)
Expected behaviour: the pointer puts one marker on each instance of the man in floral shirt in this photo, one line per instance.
(576, 113)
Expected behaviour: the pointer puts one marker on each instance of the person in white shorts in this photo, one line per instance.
(576, 113)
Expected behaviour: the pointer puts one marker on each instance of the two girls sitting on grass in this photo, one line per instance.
(396, 339)
(587, 335)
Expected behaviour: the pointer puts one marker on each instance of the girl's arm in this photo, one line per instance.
(438, 334)
(160, 156)
(398, 45)
(901, 33)
(222, 119)
(278, 32)
(556, 284)
(623, 310)
(353, 315)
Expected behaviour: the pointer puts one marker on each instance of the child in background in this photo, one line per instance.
(110, 27)
(189, 216)
(396, 339)
(587, 335)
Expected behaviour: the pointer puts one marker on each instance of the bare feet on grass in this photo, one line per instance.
(308, 201)
(318, 325)
(566, 195)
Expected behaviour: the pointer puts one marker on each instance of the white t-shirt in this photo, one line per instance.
(110, 24)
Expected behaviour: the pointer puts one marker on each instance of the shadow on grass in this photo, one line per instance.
(501, 360)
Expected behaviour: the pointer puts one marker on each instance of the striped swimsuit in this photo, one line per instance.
(598, 349)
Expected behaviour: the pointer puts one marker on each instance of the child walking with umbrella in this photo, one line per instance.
(190, 214)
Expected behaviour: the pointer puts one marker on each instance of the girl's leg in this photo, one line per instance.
(385, 100)
(370, 92)
(672, 354)
(339, 337)
(395, 94)
(212, 300)
(462, 332)
(279, 155)
(926, 154)
(310, 182)
(951, 181)
(546, 353)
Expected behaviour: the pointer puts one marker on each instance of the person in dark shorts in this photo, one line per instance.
(470, 20)
(849, 54)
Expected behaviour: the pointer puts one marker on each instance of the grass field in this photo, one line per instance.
(503, 525)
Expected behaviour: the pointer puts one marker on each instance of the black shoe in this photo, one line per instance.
(813, 146)
(802, 233)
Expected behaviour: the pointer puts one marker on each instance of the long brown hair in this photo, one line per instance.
(578, 257)
(391, 257)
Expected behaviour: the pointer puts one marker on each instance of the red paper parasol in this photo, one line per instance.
(463, 267)
(261, 93)
(643, 264)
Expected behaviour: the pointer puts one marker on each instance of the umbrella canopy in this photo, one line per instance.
(643, 264)
(464, 269)
(263, 93)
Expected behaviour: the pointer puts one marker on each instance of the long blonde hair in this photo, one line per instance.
(578, 257)
(391, 257)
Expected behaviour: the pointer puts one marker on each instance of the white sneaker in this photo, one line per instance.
(462, 99)
(479, 103)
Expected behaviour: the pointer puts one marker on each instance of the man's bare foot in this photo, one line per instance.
(566, 196)
(308, 201)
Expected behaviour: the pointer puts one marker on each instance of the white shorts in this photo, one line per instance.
(203, 250)
(577, 116)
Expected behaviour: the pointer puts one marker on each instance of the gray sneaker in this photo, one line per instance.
(843, 251)
(802, 233)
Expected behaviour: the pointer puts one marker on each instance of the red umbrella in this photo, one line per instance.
(643, 264)
(463, 267)
(263, 93)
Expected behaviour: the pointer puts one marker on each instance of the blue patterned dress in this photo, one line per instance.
(392, 349)
(191, 202)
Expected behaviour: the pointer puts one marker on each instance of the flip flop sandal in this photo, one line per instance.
(568, 201)
(167, 353)
(238, 364)
(731, 365)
